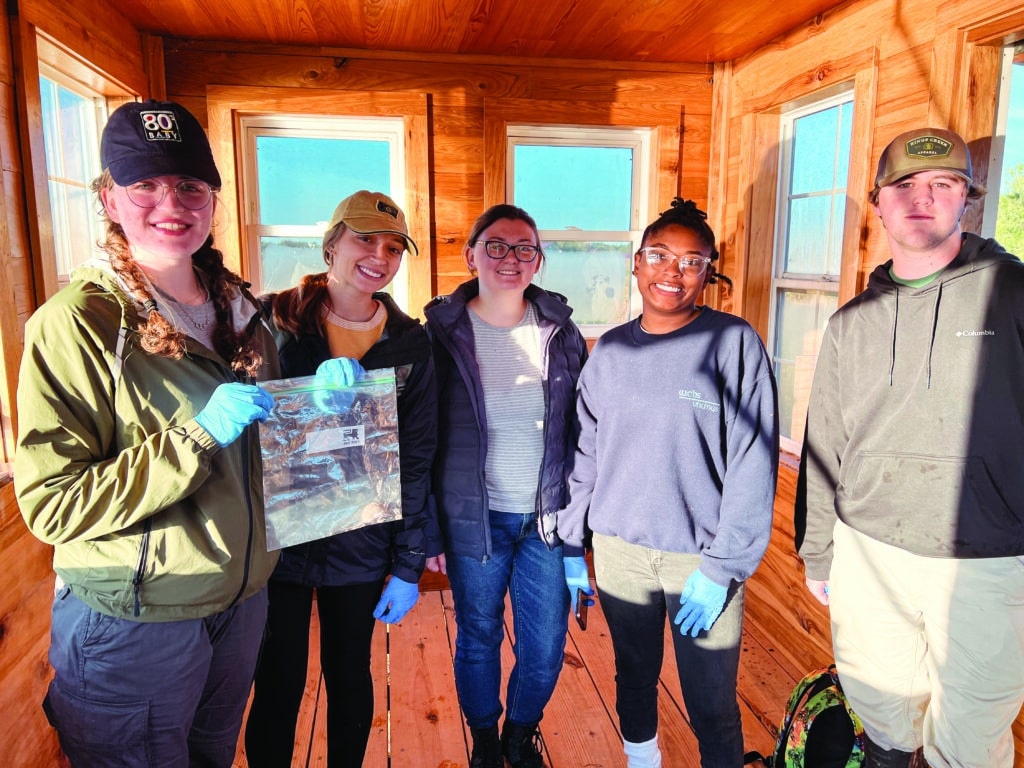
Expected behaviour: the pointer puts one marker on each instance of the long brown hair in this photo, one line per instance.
(158, 335)
(299, 310)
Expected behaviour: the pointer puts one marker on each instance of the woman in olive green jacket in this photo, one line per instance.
(138, 460)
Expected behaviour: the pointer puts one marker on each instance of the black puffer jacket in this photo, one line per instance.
(459, 487)
(401, 547)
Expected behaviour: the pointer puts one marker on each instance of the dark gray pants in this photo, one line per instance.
(168, 694)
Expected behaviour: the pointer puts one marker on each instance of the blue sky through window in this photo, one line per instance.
(302, 179)
(1013, 154)
(575, 187)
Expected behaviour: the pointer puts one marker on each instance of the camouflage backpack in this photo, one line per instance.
(819, 729)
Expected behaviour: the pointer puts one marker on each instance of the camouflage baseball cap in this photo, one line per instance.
(924, 149)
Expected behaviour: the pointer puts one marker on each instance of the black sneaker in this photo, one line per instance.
(522, 745)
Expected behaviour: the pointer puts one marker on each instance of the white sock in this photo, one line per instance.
(643, 755)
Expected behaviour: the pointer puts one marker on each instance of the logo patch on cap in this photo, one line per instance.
(928, 146)
(160, 125)
(390, 210)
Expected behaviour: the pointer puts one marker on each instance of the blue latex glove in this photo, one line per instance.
(337, 374)
(398, 599)
(577, 577)
(702, 602)
(232, 408)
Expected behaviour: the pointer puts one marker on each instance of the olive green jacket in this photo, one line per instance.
(150, 519)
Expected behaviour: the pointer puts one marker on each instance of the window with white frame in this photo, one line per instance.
(297, 169)
(587, 189)
(1005, 219)
(814, 165)
(73, 117)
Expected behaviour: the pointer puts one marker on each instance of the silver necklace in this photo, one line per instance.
(204, 308)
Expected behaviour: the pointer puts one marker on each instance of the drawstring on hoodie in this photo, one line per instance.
(892, 346)
(931, 340)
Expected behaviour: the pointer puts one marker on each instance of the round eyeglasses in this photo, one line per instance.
(192, 194)
(497, 250)
(663, 257)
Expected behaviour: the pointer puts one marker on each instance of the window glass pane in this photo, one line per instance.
(595, 277)
(843, 145)
(78, 136)
(814, 156)
(284, 260)
(575, 187)
(811, 230)
(1010, 216)
(800, 319)
(51, 128)
(71, 141)
(302, 179)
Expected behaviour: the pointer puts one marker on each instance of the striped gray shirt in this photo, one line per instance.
(511, 377)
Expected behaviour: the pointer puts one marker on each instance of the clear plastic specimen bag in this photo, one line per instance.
(330, 457)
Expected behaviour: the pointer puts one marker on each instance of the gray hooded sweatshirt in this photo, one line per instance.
(915, 430)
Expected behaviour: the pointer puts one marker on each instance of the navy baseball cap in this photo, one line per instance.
(143, 139)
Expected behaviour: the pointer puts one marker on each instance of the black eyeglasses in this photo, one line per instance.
(192, 194)
(497, 250)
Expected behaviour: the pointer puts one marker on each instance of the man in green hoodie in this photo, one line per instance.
(910, 507)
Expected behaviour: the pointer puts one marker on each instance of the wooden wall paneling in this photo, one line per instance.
(16, 296)
(153, 63)
(718, 171)
(762, 150)
(860, 180)
(33, 154)
(946, 68)
(225, 107)
(97, 34)
(973, 106)
(458, 179)
(693, 153)
(741, 139)
(903, 94)
(493, 76)
(985, 22)
(418, 210)
(188, 72)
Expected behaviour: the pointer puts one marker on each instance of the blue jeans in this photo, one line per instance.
(168, 694)
(522, 566)
(638, 588)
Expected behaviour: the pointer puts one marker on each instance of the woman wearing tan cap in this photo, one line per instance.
(342, 317)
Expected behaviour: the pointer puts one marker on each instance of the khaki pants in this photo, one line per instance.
(930, 650)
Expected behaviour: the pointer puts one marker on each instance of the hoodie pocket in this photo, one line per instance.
(954, 493)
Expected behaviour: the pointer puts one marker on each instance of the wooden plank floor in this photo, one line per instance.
(417, 722)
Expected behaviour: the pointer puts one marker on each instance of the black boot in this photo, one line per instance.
(486, 748)
(876, 757)
(521, 745)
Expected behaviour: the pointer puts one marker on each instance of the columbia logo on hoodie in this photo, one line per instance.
(975, 333)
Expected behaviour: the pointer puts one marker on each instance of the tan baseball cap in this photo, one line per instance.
(924, 149)
(370, 213)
